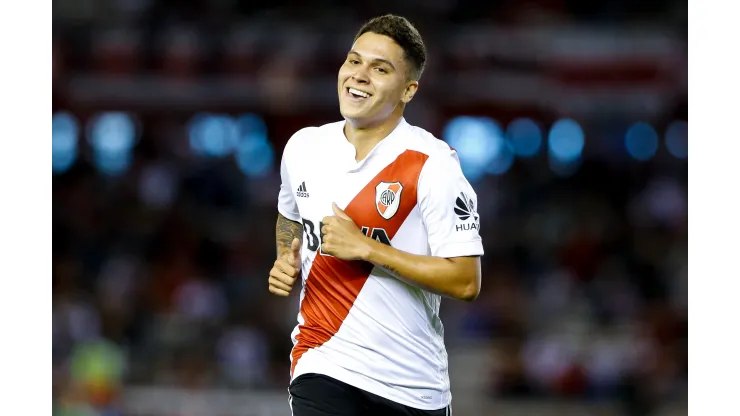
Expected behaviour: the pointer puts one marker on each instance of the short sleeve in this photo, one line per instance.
(287, 205)
(448, 207)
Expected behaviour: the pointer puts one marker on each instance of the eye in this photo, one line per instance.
(381, 70)
(353, 61)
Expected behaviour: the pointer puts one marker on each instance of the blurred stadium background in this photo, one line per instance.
(168, 122)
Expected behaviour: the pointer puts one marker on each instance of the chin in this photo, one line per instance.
(357, 119)
(353, 115)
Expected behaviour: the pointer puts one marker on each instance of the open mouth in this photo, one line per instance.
(357, 94)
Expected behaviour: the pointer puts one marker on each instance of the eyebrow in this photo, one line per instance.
(381, 60)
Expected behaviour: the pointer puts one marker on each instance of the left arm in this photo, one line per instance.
(456, 277)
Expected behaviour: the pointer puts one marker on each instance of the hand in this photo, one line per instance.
(342, 238)
(285, 270)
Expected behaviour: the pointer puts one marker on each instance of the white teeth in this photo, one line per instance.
(358, 92)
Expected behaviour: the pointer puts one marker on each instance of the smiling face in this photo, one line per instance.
(373, 81)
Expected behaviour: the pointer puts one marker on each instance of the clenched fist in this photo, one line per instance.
(342, 238)
(285, 270)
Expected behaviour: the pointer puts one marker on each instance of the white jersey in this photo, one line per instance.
(357, 323)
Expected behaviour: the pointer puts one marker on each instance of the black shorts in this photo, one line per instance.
(319, 395)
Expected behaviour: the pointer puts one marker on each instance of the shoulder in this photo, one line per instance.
(437, 151)
(309, 137)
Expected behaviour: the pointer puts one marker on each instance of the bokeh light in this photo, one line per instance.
(255, 155)
(525, 137)
(251, 125)
(213, 134)
(641, 141)
(112, 136)
(64, 138)
(478, 142)
(566, 140)
(677, 139)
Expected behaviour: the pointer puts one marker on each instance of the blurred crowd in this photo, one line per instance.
(157, 13)
(586, 286)
(159, 271)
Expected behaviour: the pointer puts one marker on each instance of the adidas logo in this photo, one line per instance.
(465, 208)
(302, 192)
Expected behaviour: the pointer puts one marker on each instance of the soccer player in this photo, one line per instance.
(376, 217)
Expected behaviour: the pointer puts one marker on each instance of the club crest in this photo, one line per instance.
(388, 198)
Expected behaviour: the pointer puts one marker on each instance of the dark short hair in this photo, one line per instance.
(405, 35)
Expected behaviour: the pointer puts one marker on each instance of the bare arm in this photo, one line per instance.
(457, 277)
(285, 231)
(287, 266)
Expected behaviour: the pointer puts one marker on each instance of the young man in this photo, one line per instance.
(379, 221)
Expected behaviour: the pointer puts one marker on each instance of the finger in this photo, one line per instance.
(274, 282)
(295, 248)
(282, 266)
(277, 291)
(326, 248)
(283, 279)
(338, 212)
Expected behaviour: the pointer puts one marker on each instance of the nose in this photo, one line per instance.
(360, 76)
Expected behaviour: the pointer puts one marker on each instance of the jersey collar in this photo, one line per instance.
(388, 141)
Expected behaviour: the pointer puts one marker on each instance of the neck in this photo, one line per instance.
(365, 138)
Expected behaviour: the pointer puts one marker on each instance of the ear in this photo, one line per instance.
(410, 91)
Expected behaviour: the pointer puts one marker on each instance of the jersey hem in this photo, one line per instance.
(363, 382)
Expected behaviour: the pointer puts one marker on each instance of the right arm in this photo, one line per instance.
(285, 231)
(287, 266)
(289, 224)
(288, 237)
